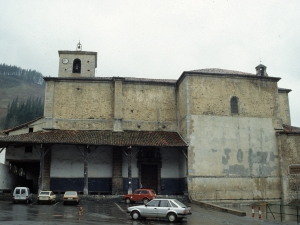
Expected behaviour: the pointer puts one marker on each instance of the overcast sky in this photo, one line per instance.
(157, 39)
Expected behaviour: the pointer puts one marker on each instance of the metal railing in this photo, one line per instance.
(284, 210)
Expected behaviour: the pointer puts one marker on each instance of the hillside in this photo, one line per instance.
(12, 87)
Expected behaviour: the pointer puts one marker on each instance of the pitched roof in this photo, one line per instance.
(126, 138)
(221, 71)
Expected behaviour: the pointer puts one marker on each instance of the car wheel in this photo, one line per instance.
(135, 215)
(127, 201)
(38, 202)
(172, 217)
(145, 201)
(27, 201)
(14, 201)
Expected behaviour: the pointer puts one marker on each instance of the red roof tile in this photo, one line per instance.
(126, 138)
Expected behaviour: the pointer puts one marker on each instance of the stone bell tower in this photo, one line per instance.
(77, 63)
(261, 70)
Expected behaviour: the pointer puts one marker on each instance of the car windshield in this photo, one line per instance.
(153, 192)
(44, 193)
(179, 203)
(70, 193)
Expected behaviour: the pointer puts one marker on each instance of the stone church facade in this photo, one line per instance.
(218, 135)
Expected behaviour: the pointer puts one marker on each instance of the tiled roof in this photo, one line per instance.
(126, 138)
(290, 129)
(221, 71)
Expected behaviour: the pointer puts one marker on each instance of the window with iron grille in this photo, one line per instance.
(234, 105)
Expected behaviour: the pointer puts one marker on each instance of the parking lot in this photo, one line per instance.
(111, 210)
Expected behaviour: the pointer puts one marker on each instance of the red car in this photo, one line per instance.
(142, 194)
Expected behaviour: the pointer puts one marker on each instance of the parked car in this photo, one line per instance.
(46, 197)
(170, 209)
(71, 197)
(22, 194)
(143, 194)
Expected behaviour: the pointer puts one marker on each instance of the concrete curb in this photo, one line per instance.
(217, 207)
(220, 208)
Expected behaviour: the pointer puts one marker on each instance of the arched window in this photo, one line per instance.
(234, 105)
(77, 66)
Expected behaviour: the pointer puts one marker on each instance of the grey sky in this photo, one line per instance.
(157, 39)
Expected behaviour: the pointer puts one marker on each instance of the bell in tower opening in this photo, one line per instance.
(79, 47)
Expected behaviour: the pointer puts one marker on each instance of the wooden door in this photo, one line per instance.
(149, 176)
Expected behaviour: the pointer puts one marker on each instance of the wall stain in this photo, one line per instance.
(237, 170)
(226, 156)
(239, 156)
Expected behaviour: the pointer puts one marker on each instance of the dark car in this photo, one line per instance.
(142, 195)
(170, 209)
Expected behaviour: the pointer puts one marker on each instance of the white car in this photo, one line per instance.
(22, 194)
(170, 209)
(47, 197)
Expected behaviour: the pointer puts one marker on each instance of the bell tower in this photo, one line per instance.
(77, 63)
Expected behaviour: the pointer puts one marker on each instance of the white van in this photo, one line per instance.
(22, 194)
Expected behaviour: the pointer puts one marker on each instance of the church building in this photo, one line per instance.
(214, 134)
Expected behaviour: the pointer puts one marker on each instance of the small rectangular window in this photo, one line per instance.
(30, 129)
(28, 149)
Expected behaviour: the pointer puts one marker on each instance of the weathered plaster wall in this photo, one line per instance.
(149, 107)
(170, 163)
(2, 156)
(134, 168)
(289, 150)
(8, 181)
(284, 107)
(230, 151)
(67, 162)
(19, 154)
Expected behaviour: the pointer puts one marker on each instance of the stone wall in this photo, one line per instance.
(88, 63)
(149, 107)
(289, 151)
(284, 107)
(91, 105)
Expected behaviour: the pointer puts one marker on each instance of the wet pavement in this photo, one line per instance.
(113, 211)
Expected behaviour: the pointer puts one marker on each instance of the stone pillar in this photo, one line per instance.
(118, 104)
(117, 180)
(46, 173)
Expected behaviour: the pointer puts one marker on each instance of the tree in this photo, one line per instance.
(22, 112)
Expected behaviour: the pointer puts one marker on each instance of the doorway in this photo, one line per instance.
(149, 177)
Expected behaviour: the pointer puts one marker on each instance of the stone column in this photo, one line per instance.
(117, 180)
(46, 174)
